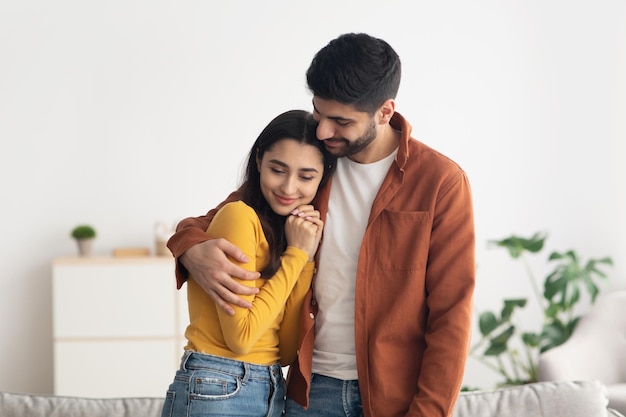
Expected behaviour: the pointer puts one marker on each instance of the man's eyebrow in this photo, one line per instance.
(336, 118)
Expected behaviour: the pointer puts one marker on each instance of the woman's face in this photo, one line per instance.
(290, 173)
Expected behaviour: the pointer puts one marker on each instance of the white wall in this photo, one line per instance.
(124, 113)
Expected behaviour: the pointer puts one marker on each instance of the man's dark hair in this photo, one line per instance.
(355, 69)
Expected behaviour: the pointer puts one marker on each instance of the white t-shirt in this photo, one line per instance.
(352, 194)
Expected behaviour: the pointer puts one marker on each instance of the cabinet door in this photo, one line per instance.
(115, 368)
(118, 327)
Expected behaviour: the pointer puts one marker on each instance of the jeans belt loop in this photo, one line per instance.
(246, 373)
(183, 362)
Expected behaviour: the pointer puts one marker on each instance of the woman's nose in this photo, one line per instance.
(288, 186)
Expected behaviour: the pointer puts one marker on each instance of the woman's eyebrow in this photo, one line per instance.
(284, 165)
(278, 162)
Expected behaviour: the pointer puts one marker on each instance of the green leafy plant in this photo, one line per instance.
(513, 353)
(83, 231)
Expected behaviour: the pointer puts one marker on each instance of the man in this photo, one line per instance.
(386, 328)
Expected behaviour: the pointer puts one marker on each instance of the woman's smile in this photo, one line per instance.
(287, 201)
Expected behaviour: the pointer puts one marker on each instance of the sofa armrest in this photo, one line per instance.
(541, 399)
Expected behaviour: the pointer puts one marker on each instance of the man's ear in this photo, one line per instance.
(387, 110)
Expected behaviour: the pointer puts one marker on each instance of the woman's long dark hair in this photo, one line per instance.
(296, 125)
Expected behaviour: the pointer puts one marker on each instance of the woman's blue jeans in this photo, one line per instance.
(329, 397)
(207, 385)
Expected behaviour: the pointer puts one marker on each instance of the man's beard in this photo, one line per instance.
(357, 145)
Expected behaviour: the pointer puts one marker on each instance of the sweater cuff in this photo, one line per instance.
(298, 254)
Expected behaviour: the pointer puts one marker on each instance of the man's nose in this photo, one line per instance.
(325, 130)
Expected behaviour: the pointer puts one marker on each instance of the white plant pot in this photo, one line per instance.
(85, 246)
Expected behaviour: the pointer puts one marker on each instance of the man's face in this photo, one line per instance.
(344, 130)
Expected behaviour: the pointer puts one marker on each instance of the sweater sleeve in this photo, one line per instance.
(239, 224)
(191, 231)
(288, 333)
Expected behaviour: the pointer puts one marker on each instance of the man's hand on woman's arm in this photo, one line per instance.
(206, 260)
(209, 266)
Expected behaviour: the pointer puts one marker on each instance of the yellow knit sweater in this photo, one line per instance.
(268, 332)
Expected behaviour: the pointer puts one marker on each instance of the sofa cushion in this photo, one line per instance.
(24, 405)
(542, 399)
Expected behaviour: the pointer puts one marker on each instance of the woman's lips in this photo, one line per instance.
(285, 200)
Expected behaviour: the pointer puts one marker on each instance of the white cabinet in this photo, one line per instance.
(118, 326)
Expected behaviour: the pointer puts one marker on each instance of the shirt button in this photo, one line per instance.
(312, 315)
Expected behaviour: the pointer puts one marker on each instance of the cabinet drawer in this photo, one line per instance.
(114, 300)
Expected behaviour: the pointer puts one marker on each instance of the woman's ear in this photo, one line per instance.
(258, 161)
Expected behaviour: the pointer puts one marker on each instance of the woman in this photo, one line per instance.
(232, 364)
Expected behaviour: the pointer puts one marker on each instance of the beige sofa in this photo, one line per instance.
(595, 351)
(544, 399)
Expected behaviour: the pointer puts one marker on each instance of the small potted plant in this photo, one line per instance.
(84, 235)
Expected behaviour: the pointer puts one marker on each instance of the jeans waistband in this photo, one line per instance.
(246, 370)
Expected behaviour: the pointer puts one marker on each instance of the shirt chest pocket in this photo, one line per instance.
(402, 240)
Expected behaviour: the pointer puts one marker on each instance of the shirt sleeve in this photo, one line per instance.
(450, 281)
(239, 224)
